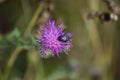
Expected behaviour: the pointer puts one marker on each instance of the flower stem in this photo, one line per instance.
(17, 50)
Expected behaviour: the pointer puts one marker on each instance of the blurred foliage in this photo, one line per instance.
(95, 53)
(14, 38)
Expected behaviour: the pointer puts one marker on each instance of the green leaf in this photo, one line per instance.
(14, 34)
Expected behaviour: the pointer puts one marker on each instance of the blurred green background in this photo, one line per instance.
(94, 55)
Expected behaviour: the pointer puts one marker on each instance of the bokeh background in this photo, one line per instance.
(95, 52)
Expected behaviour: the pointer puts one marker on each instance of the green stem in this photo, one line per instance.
(18, 49)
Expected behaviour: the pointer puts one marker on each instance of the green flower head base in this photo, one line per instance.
(52, 38)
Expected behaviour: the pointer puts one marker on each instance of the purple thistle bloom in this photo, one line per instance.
(53, 39)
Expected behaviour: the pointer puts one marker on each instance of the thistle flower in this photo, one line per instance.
(53, 39)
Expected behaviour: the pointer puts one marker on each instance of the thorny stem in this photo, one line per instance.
(17, 50)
